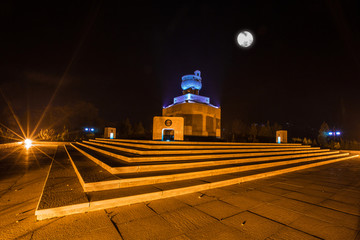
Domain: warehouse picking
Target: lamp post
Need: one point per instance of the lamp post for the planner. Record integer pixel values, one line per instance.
(334, 134)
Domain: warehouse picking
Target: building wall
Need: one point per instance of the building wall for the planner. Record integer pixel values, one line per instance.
(177, 123)
(283, 136)
(199, 119)
(109, 130)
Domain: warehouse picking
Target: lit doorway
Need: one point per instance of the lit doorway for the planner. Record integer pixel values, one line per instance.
(168, 134)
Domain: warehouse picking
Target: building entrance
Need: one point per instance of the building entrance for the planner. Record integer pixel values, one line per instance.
(168, 134)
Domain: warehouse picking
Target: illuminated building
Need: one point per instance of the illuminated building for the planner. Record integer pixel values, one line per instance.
(168, 128)
(201, 119)
(281, 136)
(110, 132)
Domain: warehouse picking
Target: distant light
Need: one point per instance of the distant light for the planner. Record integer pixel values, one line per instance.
(279, 140)
(245, 39)
(86, 129)
(330, 133)
(111, 135)
(92, 129)
(338, 133)
(27, 143)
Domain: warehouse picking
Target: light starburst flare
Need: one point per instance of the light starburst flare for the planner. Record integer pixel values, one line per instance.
(28, 143)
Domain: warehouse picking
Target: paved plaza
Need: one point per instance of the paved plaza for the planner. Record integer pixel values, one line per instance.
(316, 203)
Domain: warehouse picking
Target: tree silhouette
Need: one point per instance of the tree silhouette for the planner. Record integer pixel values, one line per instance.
(322, 137)
(139, 130)
(127, 129)
(253, 132)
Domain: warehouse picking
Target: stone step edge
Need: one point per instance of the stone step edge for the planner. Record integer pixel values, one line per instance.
(186, 152)
(46, 179)
(80, 178)
(123, 201)
(95, 160)
(193, 143)
(173, 166)
(141, 181)
(195, 157)
(184, 147)
(62, 211)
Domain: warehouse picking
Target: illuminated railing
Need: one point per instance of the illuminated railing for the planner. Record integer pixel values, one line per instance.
(191, 97)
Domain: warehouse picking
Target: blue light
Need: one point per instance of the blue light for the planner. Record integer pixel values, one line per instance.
(191, 81)
(191, 97)
(338, 133)
(86, 129)
(92, 129)
(330, 133)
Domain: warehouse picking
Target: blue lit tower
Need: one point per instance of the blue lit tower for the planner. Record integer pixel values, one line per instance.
(200, 117)
(191, 83)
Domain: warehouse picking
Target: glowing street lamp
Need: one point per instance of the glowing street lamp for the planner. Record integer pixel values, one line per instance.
(337, 133)
(334, 134)
(87, 129)
(27, 143)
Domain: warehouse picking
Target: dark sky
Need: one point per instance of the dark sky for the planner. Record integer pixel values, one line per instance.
(128, 59)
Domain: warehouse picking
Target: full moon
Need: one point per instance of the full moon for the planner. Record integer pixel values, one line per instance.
(245, 39)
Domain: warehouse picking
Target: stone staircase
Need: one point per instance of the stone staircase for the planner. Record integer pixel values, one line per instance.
(118, 172)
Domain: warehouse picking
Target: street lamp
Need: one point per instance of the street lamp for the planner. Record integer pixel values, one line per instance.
(334, 134)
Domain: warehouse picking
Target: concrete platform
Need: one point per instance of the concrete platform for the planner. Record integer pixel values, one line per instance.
(105, 190)
(317, 203)
(190, 145)
(189, 150)
(95, 178)
(62, 193)
(118, 166)
(131, 158)
(179, 143)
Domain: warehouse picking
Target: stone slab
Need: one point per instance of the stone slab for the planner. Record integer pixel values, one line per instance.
(218, 209)
(135, 158)
(194, 143)
(190, 145)
(153, 227)
(131, 195)
(323, 229)
(93, 225)
(128, 150)
(188, 219)
(218, 231)
(91, 176)
(61, 195)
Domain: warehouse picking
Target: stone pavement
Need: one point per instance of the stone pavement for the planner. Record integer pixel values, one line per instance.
(317, 203)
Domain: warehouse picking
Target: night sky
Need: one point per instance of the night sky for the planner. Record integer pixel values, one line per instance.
(127, 59)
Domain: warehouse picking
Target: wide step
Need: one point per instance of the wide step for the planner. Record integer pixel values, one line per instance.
(89, 201)
(103, 173)
(116, 166)
(141, 151)
(145, 146)
(90, 173)
(132, 158)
